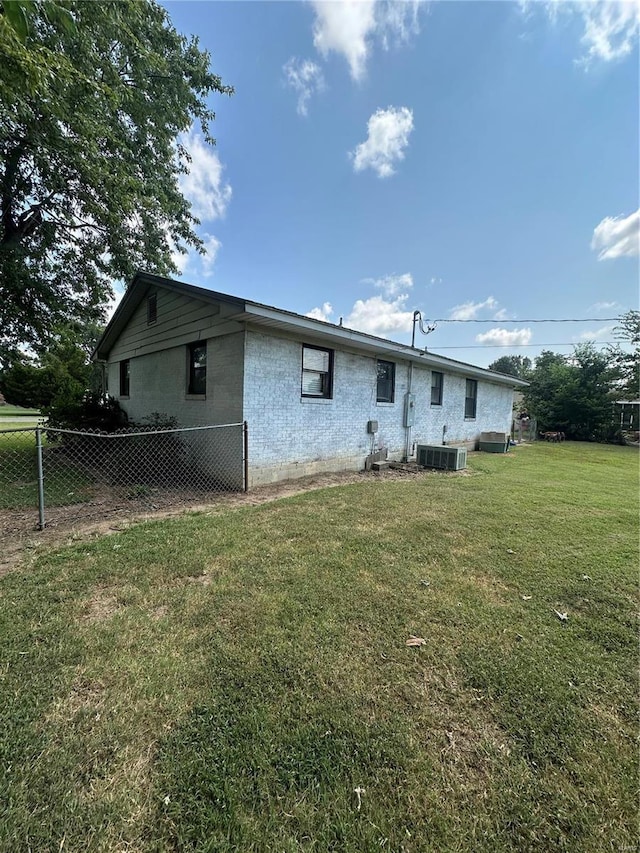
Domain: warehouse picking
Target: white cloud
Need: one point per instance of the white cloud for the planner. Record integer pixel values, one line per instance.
(601, 334)
(502, 314)
(180, 259)
(204, 186)
(211, 246)
(388, 136)
(505, 337)
(470, 310)
(617, 237)
(610, 27)
(119, 290)
(350, 27)
(392, 285)
(435, 280)
(379, 316)
(602, 306)
(323, 313)
(305, 77)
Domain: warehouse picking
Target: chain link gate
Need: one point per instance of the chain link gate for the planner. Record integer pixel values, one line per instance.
(71, 474)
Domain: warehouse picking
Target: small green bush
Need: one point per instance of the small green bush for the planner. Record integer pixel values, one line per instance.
(89, 411)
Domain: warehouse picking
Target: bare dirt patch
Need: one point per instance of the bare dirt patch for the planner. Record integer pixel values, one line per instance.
(101, 606)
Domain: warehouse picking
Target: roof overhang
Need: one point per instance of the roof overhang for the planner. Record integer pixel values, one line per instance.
(317, 330)
(255, 314)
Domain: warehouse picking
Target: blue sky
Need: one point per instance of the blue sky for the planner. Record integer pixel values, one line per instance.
(473, 160)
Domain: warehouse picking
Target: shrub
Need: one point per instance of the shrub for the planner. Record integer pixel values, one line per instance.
(89, 411)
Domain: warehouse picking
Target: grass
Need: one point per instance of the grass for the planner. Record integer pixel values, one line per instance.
(227, 680)
(10, 412)
(64, 483)
(16, 417)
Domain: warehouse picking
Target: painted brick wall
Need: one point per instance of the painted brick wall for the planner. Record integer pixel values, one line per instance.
(493, 410)
(293, 436)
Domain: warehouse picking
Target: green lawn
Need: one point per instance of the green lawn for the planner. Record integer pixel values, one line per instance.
(8, 411)
(64, 483)
(227, 680)
(15, 417)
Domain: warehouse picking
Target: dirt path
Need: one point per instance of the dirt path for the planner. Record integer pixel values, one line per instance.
(22, 542)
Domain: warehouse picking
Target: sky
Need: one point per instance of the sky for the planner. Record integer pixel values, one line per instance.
(475, 161)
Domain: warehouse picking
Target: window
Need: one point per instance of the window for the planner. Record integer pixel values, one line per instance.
(471, 398)
(124, 378)
(197, 368)
(436, 388)
(152, 308)
(317, 372)
(386, 381)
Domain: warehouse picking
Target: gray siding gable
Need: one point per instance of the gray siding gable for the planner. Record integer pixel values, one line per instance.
(180, 320)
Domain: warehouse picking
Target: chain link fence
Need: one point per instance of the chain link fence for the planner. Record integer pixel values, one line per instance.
(524, 429)
(49, 475)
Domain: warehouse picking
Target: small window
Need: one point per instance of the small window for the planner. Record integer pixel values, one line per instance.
(471, 398)
(436, 388)
(197, 368)
(317, 372)
(124, 378)
(386, 381)
(152, 308)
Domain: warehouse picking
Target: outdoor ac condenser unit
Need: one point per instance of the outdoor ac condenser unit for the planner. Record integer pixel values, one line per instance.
(441, 456)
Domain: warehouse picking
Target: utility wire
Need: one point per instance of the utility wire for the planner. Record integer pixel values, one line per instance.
(570, 320)
(509, 346)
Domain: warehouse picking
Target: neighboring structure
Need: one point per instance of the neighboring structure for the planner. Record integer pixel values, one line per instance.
(628, 413)
(317, 397)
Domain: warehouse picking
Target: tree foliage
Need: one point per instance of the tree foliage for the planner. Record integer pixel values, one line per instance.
(93, 99)
(574, 393)
(63, 372)
(628, 362)
(512, 365)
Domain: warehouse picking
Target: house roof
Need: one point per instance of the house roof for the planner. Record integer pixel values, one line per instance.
(257, 314)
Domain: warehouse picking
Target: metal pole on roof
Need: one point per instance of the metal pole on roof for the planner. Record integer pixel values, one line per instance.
(417, 318)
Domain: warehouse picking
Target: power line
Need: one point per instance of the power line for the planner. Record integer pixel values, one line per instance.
(569, 320)
(507, 346)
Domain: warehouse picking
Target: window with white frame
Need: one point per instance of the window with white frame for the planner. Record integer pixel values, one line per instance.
(317, 372)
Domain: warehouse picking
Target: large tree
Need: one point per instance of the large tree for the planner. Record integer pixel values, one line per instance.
(512, 365)
(574, 393)
(93, 99)
(628, 362)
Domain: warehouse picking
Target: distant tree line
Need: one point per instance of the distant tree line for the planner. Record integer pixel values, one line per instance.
(575, 393)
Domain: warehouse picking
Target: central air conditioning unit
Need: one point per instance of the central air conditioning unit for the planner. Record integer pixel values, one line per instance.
(441, 456)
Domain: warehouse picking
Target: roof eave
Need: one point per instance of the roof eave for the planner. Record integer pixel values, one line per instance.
(330, 332)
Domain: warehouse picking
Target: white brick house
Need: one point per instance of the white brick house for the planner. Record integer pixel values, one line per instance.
(306, 388)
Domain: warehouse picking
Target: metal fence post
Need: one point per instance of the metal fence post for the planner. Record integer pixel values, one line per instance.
(245, 453)
(40, 478)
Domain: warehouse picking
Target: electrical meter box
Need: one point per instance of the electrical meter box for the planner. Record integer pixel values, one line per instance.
(372, 427)
(409, 409)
